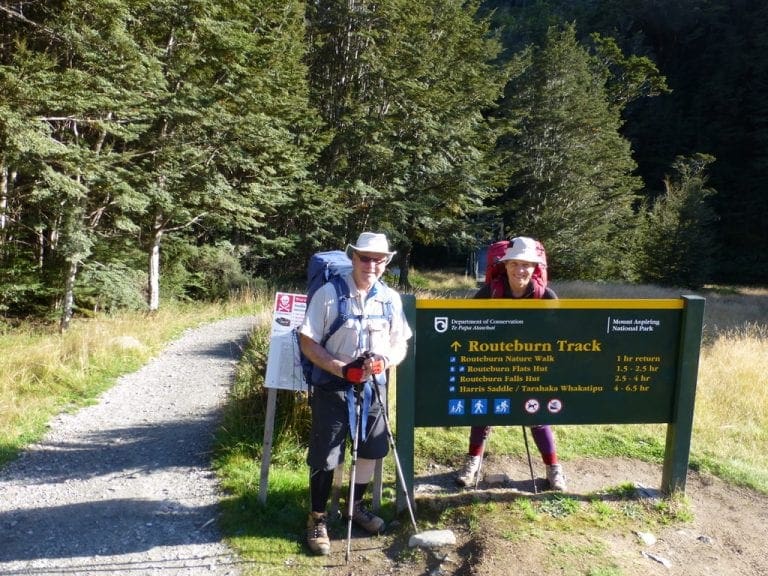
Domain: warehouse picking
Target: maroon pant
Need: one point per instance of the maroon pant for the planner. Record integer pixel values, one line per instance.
(542, 437)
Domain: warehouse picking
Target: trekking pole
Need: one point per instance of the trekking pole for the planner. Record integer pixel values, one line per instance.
(398, 468)
(530, 464)
(482, 458)
(353, 471)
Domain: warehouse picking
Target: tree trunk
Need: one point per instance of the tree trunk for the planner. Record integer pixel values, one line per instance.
(153, 297)
(405, 265)
(7, 179)
(3, 200)
(40, 248)
(69, 296)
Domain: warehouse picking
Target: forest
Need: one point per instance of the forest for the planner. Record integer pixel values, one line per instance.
(191, 149)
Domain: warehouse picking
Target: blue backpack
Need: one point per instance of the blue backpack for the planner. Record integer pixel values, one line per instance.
(331, 267)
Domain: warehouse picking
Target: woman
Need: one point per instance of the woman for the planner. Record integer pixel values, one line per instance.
(521, 261)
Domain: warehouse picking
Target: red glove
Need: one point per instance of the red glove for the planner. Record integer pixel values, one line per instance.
(377, 365)
(354, 371)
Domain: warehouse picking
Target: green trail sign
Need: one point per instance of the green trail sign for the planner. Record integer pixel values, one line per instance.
(561, 362)
(527, 362)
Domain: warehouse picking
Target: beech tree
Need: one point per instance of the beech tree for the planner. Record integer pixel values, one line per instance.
(82, 72)
(676, 240)
(574, 186)
(403, 87)
(226, 149)
(130, 121)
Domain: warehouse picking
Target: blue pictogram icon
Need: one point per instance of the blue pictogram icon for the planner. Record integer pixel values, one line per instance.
(480, 406)
(456, 407)
(501, 406)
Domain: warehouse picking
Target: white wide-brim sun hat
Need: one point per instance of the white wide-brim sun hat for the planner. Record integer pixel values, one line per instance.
(373, 244)
(523, 248)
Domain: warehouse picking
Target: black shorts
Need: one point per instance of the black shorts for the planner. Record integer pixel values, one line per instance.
(330, 429)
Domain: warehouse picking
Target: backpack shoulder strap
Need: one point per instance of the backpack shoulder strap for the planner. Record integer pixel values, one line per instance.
(387, 303)
(496, 286)
(342, 299)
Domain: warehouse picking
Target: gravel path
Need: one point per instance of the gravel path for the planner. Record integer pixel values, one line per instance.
(125, 486)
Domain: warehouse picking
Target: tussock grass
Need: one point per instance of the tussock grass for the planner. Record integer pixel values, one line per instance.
(727, 308)
(731, 415)
(442, 284)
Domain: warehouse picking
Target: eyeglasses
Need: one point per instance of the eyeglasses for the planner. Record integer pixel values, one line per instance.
(375, 260)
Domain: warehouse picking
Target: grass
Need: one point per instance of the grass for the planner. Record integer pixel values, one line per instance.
(43, 373)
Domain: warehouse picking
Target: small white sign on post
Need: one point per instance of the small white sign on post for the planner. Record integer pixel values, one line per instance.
(283, 368)
(283, 363)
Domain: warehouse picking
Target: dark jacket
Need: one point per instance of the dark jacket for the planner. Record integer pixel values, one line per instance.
(485, 292)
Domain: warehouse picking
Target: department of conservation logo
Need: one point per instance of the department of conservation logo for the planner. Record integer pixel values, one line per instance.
(441, 324)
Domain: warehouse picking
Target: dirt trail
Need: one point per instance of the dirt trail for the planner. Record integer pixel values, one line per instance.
(125, 486)
(727, 536)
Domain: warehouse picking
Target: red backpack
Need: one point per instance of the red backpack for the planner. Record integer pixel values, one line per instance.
(495, 272)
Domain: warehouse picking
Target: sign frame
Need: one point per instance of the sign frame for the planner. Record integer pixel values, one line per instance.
(684, 370)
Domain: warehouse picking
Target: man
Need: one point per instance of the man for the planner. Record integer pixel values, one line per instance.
(354, 360)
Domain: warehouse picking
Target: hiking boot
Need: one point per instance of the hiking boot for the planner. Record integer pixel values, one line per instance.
(556, 477)
(366, 519)
(317, 534)
(466, 476)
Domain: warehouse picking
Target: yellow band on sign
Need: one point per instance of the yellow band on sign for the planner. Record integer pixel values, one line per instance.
(569, 304)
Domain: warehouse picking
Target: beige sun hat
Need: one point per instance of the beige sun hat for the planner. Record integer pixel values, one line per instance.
(523, 248)
(372, 243)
